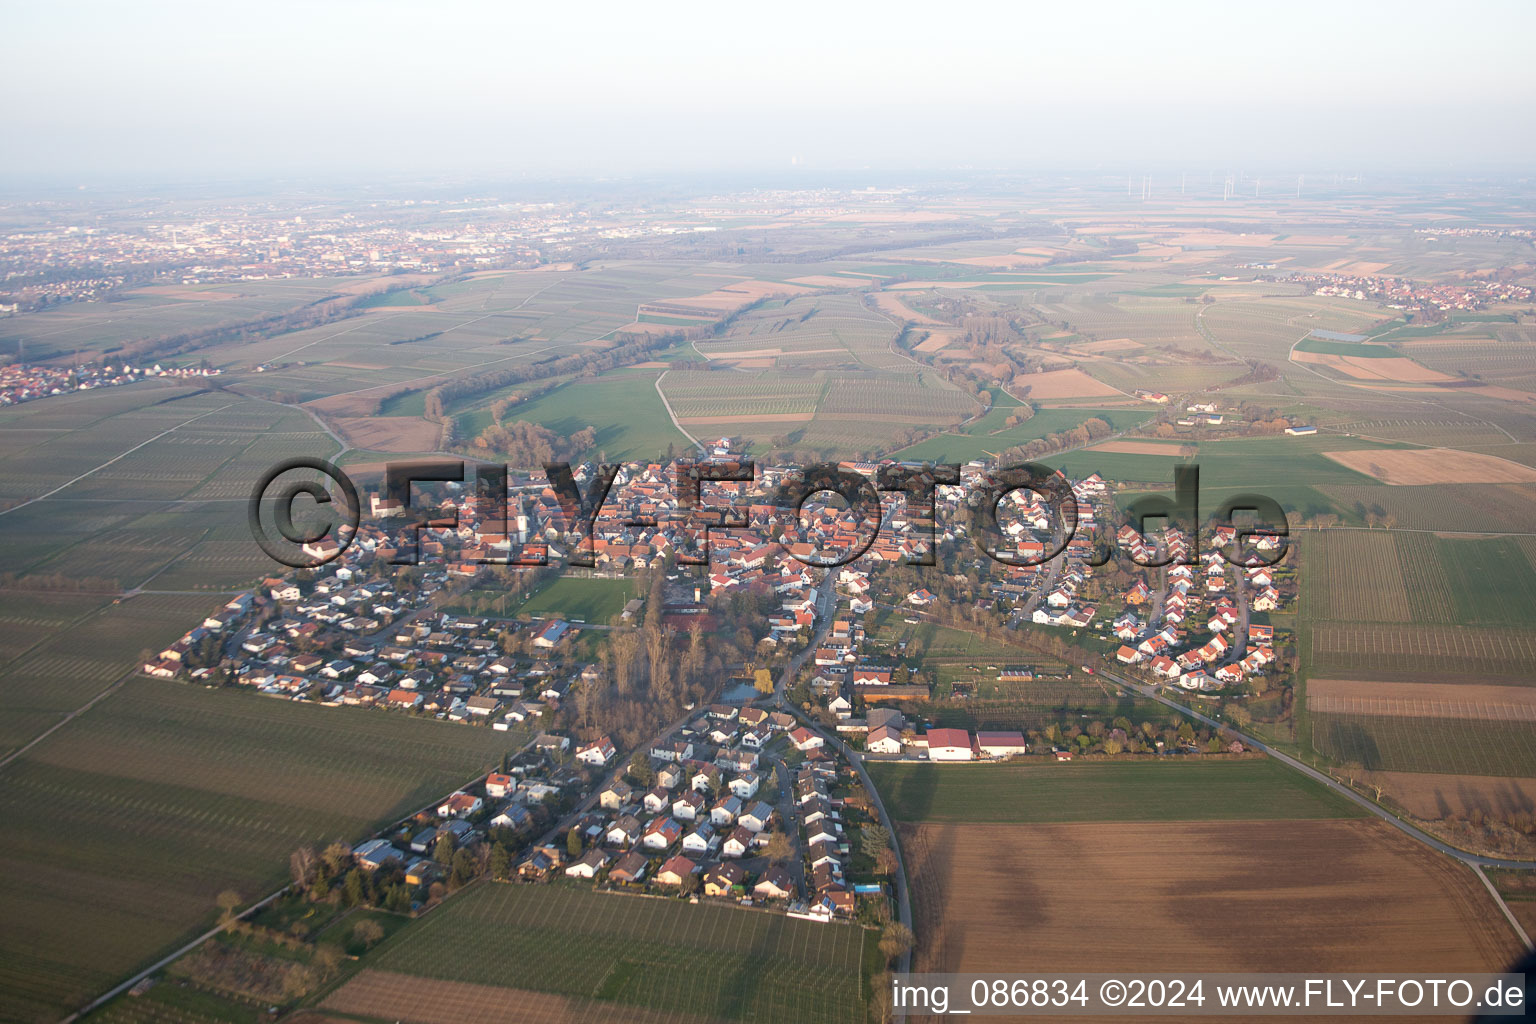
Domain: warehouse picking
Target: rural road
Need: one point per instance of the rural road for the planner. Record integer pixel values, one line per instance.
(1474, 861)
(672, 415)
(1327, 780)
(124, 986)
(826, 604)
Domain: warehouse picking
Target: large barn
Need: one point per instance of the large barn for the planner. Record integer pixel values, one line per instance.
(949, 745)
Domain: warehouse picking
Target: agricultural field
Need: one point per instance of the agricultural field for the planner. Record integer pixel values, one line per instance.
(1488, 508)
(621, 406)
(127, 822)
(1411, 466)
(1241, 895)
(1268, 465)
(989, 435)
(1417, 743)
(97, 328)
(1432, 796)
(1401, 651)
(704, 962)
(810, 332)
(1376, 576)
(1394, 605)
(1125, 791)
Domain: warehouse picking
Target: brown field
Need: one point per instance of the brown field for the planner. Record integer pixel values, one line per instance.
(1423, 700)
(731, 355)
(356, 403)
(893, 305)
(1109, 345)
(1342, 895)
(357, 366)
(1061, 384)
(636, 327)
(1224, 238)
(1495, 391)
(1137, 448)
(1390, 368)
(403, 997)
(389, 433)
(1326, 240)
(825, 281)
(725, 299)
(1434, 466)
(775, 417)
(923, 286)
(1018, 258)
(1430, 796)
(1444, 653)
(934, 342)
(185, 294)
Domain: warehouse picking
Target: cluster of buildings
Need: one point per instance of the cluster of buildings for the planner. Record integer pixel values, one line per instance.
(1415, 296)
(704, 818)
(1197, 632)
(20, 382)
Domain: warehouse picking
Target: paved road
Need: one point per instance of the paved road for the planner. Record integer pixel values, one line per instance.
(557, 832)
(673, 416)
(790, 819)
(1471, 859)
(825, 604)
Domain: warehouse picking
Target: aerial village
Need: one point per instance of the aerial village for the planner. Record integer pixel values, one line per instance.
(755, 794)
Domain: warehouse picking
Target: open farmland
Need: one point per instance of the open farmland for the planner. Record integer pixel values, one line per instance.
(410, 999)
(97, 328)
(1434, 466)
(623, 407)
(1190, 790)
(989, 435)
(1402, 651)
(1231, 896)
(1423, 700)
(1376, 576)
(659, 956)
(1416, 743)
(811, 331)
(1488, 508)
(1433, 796)
(127, 822)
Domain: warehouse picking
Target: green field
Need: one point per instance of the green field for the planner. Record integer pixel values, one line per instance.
(585, 599)
(126, 823)
(1362, 349)
(990, 436)
(1453, 746)
(1183, 790)
(623, 407)
(1492, 581)
(1268, 465)
(707, 961)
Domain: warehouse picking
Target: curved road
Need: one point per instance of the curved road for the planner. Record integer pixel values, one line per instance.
(1471, 859)
(826, 604)
(1476, 862)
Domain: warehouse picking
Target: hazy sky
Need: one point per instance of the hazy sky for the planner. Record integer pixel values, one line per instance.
(96, 90)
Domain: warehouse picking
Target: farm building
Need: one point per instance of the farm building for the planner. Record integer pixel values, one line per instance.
(949, 745)
(1000, 744)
